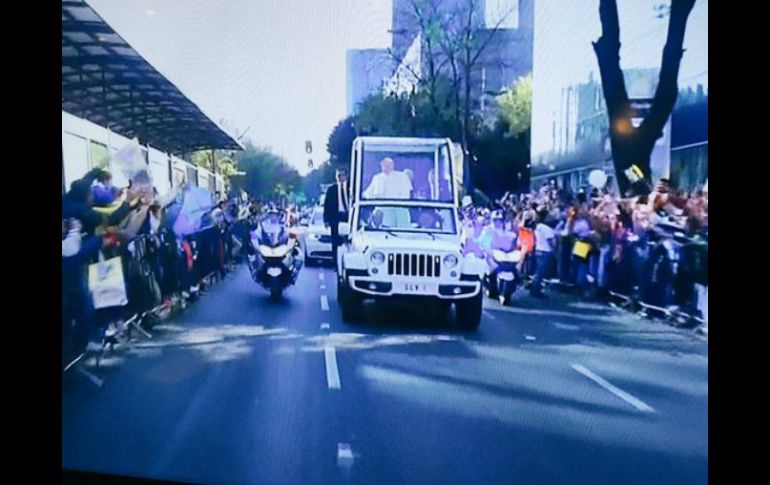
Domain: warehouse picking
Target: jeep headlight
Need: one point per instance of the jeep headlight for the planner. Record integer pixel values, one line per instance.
(450, 261)
(377, 258)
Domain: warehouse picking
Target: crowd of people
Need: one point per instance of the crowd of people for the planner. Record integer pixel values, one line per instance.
(652, 249)
(162, 249)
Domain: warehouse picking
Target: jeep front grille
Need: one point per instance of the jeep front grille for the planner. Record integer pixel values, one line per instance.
(410, 264)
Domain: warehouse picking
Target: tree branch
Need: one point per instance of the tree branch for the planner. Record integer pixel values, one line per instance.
(489, 38)
(667, 90)
(607, 49)
(402, 63)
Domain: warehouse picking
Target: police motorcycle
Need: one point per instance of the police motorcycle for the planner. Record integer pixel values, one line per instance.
(502, 259)
(275, 259)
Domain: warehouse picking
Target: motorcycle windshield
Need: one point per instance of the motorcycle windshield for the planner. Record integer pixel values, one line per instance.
(273, 235)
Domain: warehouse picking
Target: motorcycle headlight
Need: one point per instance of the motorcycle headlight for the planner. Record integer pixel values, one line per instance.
(265, 251)
(450, 260)
(377, 258)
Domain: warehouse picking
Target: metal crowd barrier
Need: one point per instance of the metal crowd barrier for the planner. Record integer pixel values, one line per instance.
(206, 268)
(648, 295)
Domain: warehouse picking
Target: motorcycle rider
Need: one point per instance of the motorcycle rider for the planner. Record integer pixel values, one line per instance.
(496, 236)
(493, 237)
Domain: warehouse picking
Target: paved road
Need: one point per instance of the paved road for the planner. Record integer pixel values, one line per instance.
(239, 390)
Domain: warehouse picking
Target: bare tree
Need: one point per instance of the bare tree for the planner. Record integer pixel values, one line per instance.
(465, 40)
(633, 145)
(453, 40)
(428, 20)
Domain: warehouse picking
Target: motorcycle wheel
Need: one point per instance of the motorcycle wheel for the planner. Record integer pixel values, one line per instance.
(505, 293)
(275, 289)
(493, 290)
(468, 312)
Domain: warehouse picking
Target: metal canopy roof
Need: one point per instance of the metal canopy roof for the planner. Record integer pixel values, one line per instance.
(104, 80)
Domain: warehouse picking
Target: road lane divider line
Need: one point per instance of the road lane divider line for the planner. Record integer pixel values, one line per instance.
(325, 326)
(531, 338)
(321, 276)
(344, 455)
(635, 402)
(489, 315)
(323, 287)
(324, 303)
(332, 373)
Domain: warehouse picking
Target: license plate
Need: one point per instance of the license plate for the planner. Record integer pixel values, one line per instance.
(417, 288)
(274, 271)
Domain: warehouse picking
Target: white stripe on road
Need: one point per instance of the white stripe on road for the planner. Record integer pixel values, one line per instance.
(637, 403)
(344, 455)
(323, 287)
(325, 326)
(332, 374)
(489, 315)
(530, 338)
(324, 303)
(321, 276)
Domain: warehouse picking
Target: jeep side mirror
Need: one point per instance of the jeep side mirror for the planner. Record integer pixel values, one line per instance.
(344, 229)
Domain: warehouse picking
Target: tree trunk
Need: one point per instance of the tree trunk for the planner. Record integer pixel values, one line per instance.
(633, 146)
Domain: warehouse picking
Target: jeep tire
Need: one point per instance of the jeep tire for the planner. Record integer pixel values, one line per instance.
(351, 304)
(469, 312)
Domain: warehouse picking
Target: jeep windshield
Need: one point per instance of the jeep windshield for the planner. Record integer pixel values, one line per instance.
(420, 172)
(389, 218)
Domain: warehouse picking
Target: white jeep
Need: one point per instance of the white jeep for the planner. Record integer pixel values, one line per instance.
(403, 237)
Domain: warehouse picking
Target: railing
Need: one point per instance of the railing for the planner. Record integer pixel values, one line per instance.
(662, 278)
(161, 272)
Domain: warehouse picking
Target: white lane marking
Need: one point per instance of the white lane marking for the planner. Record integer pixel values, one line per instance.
(637, 403)
(321, 276)
(325, 326)
(332, 374)
(323, 287)
(530, 338)
(489, 315)
(98, 382)
(324, 303)
(344, 455)
(566, 326)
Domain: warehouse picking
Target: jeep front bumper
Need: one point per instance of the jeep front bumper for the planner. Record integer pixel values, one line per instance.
(446, 290)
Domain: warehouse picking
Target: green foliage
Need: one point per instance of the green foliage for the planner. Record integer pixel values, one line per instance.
(515, 105)
(341, 142)
(502, 160)
(265, 174)
(311, 183)
(408, 115)
(225, 164)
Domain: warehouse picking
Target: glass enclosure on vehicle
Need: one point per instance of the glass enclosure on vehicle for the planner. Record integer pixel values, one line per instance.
(272, 230)
(390, 217)
(404, 169)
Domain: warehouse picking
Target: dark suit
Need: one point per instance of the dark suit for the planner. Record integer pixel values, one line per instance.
(333, 215)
